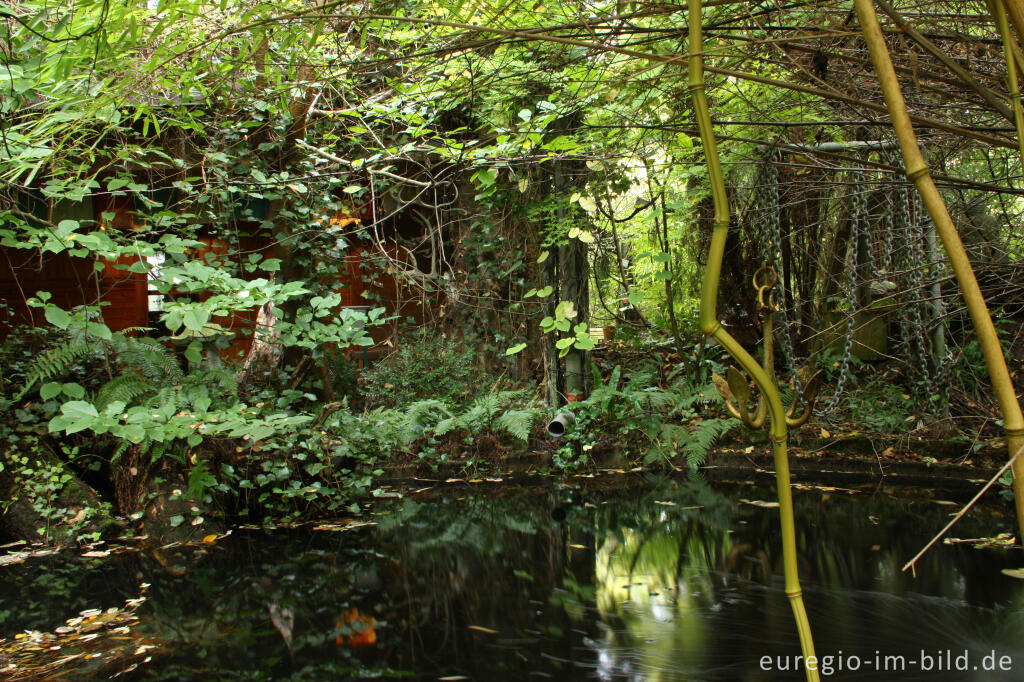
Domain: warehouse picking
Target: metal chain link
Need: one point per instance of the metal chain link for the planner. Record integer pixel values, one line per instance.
(858, 221)
(768, 200)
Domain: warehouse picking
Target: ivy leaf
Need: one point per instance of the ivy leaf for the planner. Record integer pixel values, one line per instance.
(584, 343)
(586, 237)
(588, 204)
(543, 257)
(635, 297)
(515, 349)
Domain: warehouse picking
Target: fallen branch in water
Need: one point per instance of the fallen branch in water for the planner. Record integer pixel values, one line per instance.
(960, 514)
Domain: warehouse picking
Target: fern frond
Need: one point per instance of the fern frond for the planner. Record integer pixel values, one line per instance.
(122, 388)
(55, 361)
(516, 423)
(702, 437)
(151, 358)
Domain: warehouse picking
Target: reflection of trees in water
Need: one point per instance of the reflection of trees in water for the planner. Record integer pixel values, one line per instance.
(484, 562)
(634, 578)
(690, 592)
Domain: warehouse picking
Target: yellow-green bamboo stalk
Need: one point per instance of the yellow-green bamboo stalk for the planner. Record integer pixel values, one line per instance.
(999, 13)
(710, 325)
(917, 172)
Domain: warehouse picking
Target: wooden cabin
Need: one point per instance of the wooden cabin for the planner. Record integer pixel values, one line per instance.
(364, 276)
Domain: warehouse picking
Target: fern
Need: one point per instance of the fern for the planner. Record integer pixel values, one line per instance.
(423, 413)
(488, 412)
(123, 388)
(516, 423)
(55, 361)
(152, 359)
(702, 437)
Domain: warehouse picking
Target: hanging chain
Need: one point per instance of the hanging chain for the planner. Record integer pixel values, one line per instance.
(859, 224)
(768, 200)
(916, 261)
(887, 241)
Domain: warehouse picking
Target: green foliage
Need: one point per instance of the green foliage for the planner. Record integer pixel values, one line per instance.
(661, 422)
(424, 366)
(55, 361)
(492, 412)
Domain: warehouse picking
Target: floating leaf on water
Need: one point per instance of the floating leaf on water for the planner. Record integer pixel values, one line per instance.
(761, 503)
(210, 539)
(284, 620)
(578, 546)
(480, 628)
(1014, 573)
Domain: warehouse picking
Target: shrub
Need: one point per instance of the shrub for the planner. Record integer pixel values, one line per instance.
(423, 367)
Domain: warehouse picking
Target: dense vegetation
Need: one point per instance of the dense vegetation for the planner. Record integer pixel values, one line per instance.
(521, 174)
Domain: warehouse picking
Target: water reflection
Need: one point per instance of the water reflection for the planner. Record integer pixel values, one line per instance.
(637, 580)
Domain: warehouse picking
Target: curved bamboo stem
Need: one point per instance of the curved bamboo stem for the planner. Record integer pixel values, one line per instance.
(917, 172)
(710, 325)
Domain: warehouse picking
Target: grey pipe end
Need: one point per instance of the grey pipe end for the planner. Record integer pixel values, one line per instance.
(560, 424)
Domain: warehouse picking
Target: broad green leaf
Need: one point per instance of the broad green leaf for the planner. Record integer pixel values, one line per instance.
(50, 390)
(73, 390)
(195, 319)
(515, 349)
(586, 237)
(58, 317)
(78, 415)
(194, 352)
(133, 433)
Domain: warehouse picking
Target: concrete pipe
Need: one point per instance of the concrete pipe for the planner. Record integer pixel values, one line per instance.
(562, 422)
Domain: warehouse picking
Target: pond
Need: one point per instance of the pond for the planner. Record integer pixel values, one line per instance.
(614, 578)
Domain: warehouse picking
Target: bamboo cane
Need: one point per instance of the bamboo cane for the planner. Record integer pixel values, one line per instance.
(999, 13)
(710, 325)
(917, 172)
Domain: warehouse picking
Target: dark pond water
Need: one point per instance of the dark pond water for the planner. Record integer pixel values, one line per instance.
(623, 580)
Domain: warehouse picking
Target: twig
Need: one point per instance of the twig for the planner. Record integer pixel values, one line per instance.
(959, 515)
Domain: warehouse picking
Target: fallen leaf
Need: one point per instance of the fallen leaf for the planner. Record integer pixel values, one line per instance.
(480, 628)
